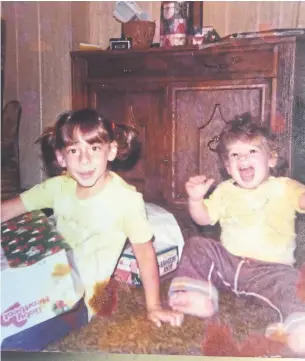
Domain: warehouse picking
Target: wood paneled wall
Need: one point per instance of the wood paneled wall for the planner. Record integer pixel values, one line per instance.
(40, 36)
(238, 16)
(37, 72)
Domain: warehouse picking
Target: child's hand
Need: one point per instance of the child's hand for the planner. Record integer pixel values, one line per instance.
(160, 315)
(198, 186)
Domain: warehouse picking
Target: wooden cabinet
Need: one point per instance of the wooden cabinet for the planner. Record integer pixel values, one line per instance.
(179, 99)
(143, 106)
(200, 112)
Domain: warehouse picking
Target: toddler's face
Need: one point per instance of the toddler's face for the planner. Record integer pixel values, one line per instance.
(249, 163)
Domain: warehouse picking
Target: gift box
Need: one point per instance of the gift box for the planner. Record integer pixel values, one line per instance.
(127, 269)
(29, 238)
(38, 337)
(38, 282)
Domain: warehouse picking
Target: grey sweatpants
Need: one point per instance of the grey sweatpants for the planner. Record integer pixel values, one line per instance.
(206, 267)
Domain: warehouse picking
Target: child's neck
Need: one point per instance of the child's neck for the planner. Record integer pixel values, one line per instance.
(88, 192)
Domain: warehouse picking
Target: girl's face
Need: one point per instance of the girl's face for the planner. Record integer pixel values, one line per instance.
(249, 163)
(87, 163)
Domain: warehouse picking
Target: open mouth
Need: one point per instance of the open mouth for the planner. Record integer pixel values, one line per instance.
(246, 173)
(86, 175)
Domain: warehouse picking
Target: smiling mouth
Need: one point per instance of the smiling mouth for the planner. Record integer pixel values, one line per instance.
(86, 175)
(246, 173)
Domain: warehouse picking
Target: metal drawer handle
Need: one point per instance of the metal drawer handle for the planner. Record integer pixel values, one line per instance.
(215, 141)
(234, 60)
(128, 70)
(119, 67)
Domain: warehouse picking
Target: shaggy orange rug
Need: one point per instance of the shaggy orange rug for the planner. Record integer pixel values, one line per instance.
(122, 327)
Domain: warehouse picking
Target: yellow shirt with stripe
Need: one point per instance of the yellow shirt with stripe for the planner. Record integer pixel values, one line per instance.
(258, 223)
(100, 223)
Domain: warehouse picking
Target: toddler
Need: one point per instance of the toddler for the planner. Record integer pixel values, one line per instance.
(255, 255)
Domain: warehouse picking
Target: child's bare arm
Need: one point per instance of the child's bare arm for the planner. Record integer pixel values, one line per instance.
(12, 208)
(199, 212)
(146, 257)
(196, 188)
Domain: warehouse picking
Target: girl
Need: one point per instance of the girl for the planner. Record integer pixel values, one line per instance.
(95, 209)
(255, 257)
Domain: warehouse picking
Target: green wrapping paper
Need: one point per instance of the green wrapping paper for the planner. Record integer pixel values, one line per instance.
(29, 238)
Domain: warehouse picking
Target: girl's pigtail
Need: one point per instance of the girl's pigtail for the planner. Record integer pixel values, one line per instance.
(127, 139)
(47, 147)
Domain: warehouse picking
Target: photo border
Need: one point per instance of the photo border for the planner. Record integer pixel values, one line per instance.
(96, 356)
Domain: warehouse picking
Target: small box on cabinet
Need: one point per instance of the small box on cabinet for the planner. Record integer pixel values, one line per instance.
(120, 43)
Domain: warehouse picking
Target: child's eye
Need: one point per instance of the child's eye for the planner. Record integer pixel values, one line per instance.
(233, 155)
(253, 151)
(71, 151)
(96, 148)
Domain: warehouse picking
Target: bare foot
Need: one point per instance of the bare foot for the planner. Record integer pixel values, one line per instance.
(296, 340)
(192, 303)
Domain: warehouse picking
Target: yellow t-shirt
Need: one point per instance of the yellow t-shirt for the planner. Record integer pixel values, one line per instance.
(101, 223)
(258, 223)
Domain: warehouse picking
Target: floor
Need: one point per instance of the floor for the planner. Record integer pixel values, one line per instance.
(237, 330)
(128, 331)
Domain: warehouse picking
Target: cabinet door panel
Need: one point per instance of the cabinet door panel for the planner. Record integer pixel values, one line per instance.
(108, 101)
(200, 113)
(142, 108)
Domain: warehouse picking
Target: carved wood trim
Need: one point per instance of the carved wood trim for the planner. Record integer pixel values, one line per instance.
(262, 85)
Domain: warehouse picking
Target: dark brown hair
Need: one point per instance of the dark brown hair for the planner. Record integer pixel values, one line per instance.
(94, 128)
(245, 128)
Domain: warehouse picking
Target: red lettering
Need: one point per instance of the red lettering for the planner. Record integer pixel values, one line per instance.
(11, 316)
(44, 300)
(30, 305)
(18, 315)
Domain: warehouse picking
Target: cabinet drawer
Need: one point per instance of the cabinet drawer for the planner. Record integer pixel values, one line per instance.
(249, 63)
(205, 64)
(131, 65)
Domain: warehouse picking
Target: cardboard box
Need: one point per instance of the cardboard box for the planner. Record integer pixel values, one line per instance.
(37, 280)
(34, 294)
(38, 337)
(127, 269)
